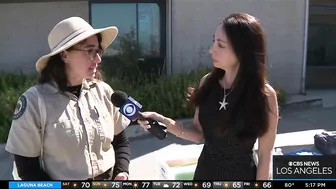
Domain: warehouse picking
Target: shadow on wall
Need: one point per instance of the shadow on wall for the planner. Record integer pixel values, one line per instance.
(199, 58)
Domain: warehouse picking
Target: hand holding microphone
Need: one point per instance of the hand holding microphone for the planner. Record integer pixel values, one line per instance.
(149, 115)
(130, 108)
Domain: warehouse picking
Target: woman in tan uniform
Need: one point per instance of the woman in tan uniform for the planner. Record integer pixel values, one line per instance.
(65, 127)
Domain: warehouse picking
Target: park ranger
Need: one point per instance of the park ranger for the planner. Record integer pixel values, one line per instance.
(65, 127)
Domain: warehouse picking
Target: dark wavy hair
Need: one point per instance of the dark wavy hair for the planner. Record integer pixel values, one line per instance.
(55, 70)
(249, 94)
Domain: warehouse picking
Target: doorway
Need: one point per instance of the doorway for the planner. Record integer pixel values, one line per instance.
(321, 45)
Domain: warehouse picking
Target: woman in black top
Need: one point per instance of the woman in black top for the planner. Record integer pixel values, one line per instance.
(234, 104)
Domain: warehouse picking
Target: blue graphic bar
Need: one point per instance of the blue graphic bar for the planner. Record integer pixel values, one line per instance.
(35, 185)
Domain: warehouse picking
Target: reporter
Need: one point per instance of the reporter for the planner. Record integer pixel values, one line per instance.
(234, 106)
(65, 127)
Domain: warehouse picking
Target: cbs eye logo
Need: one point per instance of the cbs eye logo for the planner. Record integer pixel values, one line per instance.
(129, 109)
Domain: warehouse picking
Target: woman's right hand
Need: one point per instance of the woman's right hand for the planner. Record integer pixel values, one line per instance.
(152, 115)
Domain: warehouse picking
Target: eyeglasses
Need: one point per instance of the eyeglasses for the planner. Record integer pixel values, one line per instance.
(92, 53)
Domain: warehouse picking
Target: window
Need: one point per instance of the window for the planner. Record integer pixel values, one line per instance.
(322, 36)
(140, 23)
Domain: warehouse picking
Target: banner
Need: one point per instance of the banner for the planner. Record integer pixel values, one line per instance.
(304, 167)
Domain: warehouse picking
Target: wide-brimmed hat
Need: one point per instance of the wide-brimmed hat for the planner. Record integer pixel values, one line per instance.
(71, 31)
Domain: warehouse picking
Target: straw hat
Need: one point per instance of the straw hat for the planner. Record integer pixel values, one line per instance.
(71, 31)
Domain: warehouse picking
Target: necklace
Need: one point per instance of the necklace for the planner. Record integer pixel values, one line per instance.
(223, 103)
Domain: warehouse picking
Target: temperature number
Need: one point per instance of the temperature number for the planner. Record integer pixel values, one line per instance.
(267, 185)
(206, 185)
(145, 184)
(289, 184)
(115, 185)
(86, 184)
(237, 185)
(176, 185)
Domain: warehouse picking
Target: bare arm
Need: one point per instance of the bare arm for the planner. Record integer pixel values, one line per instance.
(266, 142)
(190, 131)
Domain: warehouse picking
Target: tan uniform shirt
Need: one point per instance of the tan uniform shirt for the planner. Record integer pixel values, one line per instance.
(78, 131)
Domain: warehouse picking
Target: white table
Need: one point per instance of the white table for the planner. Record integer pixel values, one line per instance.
(293, 141)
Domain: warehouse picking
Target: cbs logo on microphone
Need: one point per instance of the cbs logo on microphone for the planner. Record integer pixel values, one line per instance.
(130, 110)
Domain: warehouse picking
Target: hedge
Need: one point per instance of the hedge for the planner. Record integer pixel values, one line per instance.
(167, 94)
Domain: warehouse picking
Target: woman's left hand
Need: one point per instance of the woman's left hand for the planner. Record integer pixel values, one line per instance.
(121, 176)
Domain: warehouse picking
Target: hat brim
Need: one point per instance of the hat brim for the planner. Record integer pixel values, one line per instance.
(108, 36)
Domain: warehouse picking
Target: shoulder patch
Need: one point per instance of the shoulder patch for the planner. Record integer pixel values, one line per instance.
(20, 107)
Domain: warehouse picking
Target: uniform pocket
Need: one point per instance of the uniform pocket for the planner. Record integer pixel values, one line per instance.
(64, 135)
(67, 130)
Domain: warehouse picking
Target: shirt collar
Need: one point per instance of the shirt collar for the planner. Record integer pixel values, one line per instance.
(52, 88)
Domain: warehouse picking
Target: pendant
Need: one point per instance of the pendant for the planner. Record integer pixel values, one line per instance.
(223, 103)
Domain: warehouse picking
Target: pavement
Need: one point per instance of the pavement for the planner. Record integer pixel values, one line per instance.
(295, 130)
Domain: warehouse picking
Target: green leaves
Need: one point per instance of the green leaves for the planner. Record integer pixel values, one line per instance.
(164, 94)
(11, 87)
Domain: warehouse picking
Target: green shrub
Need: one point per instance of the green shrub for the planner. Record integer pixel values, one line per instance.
(165, 95)
(11, 87)
(282, 96)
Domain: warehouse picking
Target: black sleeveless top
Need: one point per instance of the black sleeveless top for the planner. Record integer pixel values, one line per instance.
(224, 155)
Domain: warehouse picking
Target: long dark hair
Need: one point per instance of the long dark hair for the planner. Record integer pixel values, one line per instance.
(55, 70)
(247, 38)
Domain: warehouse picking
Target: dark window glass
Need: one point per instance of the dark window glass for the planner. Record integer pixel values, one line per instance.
(322, 36)
(138, 20)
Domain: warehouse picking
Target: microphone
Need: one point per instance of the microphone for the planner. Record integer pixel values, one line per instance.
(130, 108)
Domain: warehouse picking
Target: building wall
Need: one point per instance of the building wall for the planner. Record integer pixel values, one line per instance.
(25, 27)
(194, 23)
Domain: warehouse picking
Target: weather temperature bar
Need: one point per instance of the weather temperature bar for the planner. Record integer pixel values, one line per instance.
(241, 184)
(237, 184)
(173, 184)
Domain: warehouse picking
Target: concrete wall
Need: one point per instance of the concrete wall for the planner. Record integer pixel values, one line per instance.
(25, 28)
(194, 23)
